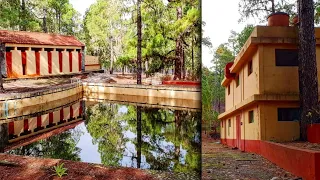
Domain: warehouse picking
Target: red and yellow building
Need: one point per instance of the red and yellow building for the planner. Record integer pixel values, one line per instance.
(262, 89)
(31, 54)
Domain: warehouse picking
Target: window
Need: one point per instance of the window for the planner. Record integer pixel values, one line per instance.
(251, 117)
(288, 114)
(229, 125)
(249, 67)
(286, 57)
(229, 89)
(237, 80)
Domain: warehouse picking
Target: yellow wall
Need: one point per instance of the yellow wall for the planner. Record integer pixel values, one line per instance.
(76, 108)
(251, 83)
(222, 129)
(230, 131)
(91, 60)
(238, 90)
(272, 129)
(16, 63)
(31, 63)
(277, 79)
(65, 62)
(45, 120)
(75, 62)
(55, 62)
(250, 131)
(88, 68)
(229, 98)
(44, 70)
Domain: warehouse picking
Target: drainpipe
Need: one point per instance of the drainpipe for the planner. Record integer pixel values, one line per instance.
(83, 59)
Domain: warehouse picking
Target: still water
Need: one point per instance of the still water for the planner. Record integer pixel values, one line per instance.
(123, 135)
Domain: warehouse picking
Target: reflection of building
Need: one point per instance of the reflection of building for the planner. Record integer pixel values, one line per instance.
(261, 90)
(29, 54)
(20, 129)
(92, 63)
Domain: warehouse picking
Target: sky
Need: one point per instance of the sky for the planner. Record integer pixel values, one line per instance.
(81, 5)
(220, 16)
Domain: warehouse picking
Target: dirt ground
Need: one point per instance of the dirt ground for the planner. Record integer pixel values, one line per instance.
(221, 162)
(17, 167)
(304, 145)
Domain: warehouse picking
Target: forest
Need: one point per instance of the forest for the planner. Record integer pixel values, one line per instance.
(170, 31)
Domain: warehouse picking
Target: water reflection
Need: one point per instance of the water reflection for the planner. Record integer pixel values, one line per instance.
(122, 135)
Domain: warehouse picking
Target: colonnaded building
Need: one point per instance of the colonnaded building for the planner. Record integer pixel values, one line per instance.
(32, 54)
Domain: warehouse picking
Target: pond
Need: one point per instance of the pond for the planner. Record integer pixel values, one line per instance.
(116, 134)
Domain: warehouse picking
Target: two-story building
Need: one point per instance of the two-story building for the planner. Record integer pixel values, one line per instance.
(262, 89)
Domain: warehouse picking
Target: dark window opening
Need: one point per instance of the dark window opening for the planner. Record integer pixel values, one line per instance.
(286, 57)
(229, 89)
(8, 49)
(78, 50)
(59, 49)
(249, 67)
(288, 114)
(48, 49)
(251, 117)
(22, 49)
(70, 50)
(36, 49)
(237, 80)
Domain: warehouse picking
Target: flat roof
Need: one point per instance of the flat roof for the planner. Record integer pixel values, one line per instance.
(38, 38)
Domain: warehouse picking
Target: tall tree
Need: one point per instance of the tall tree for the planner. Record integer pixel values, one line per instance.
(139, 29)
(308, 79)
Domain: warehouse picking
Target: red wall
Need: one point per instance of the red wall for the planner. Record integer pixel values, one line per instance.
(301, 162)
(314, 133)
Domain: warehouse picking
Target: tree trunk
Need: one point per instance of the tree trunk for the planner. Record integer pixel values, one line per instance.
(59, 21)
(111, 56)
(273, 6)
(308, 79)
(23, 16)
(179, 51)
(183, 65)
(2, 59)
(139, 137)
(139, 29)
(44, 21)
(192, 61)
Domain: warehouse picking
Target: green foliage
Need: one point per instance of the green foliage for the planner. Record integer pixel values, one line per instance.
(237, 40)
(260, 9)
(62, 146)
(106, 130)
(60, 170)
(176, 129)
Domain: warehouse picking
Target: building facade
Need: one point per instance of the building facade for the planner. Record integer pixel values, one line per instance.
(262, 89)
(32, 54)
(92, 63)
